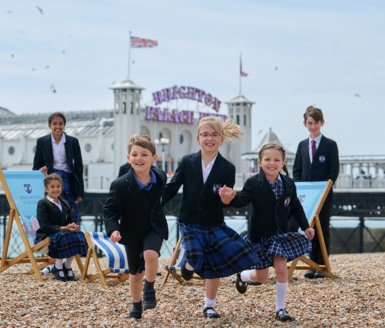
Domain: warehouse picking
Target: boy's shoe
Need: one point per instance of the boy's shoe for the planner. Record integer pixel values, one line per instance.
(240, 285)
(318, 275)
(210, 313)
(136, 311)
(186, 274)
(282, 315)
(309, 274)
(149, 299)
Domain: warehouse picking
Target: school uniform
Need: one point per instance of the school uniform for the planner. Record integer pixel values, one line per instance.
(135, 211)
(73, 185)
(324, 166)
(63, 243)
(268, 230)
(212, 249)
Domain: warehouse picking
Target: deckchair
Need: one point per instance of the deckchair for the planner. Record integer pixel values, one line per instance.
(23, 189)
(174, 268)
(312, 196)
(116, 258)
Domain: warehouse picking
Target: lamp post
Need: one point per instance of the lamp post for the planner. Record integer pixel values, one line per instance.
(163, 142)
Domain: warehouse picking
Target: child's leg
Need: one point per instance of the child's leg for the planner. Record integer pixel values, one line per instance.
(151, 263)
(255, 275)
(281, 285)
(58, 270)
(135, 282)
(211, 289)
(68, 268)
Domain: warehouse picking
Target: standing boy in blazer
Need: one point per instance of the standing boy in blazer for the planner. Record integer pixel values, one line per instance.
(317, 160)
(134, 216)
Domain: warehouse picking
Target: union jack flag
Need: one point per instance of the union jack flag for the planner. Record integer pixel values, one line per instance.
(143, 43)
(241, 72)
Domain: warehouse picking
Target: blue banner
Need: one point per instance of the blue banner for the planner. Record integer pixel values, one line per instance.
(27, 188)
(309, 194)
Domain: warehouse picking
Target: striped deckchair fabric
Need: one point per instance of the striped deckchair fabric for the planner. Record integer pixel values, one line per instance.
(115, 254)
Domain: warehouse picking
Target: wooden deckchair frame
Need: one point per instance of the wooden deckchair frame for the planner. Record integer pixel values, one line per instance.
(102, 274)
(315, 222)
(27, 256)
(171, 270)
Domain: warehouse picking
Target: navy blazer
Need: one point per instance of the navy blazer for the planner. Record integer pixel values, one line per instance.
(270, 215)
(44, 157)
(51, 218)
(325, 164)
(200, 202)
(126, 209)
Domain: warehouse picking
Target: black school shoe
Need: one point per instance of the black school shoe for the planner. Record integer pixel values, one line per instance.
(56, 272)
(211, 314)
(309, 274)
(240, 285)
(70, 277)
(282, 315)
(136, 311)
(318, 275)
(186, 274)
(149, 299)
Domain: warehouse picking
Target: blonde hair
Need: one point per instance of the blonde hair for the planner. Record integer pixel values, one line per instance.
(227, 129)
(51, 177)
(143, 141)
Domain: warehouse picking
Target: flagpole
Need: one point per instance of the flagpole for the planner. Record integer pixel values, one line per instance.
(129, 57)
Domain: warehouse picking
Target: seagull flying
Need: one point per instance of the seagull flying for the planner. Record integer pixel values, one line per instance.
(40, 10)
(53, 89)
(357, 95)
(275, 68)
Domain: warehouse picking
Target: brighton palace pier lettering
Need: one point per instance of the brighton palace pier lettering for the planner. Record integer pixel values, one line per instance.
(156, 113)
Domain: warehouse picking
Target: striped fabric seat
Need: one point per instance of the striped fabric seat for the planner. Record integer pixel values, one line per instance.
(114, 252)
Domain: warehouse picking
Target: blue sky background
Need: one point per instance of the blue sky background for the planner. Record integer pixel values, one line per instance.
(328, 53)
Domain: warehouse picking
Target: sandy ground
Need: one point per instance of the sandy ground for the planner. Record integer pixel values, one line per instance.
(355, 299)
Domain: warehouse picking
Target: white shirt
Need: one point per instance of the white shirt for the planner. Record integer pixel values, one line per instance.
(317, 141)
(59, 154)
(206, 170)
(58, 204)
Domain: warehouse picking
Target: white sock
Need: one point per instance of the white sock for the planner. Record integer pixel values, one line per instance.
(46, 270)
(281, 289)
(68, 262)
(210, 303)
(59, 264)
(246, 275)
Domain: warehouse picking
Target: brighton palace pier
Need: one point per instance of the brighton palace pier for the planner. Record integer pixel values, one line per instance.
(170, 118)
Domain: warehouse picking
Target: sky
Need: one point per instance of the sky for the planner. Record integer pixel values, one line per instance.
(63, 55)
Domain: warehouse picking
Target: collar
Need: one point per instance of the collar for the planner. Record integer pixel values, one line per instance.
(317, 140)
(62, 140)
(149, 185)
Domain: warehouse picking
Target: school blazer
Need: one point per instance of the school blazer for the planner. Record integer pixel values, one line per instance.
(200, 202)
(269, 215)
(126, 208)
(50, 217)
(325, 164)
(44, 157)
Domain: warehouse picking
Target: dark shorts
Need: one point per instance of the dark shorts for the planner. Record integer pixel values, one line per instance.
(136, 246)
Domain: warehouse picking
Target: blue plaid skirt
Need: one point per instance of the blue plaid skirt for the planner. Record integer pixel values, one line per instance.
(65, 244)
(289, 245)
(68, 193)
(216, 251)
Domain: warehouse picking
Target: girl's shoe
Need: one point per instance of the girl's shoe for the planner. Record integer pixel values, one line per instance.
(240, 285)
(59, 274)
(69, 274)
(186, 274)
(282, 315)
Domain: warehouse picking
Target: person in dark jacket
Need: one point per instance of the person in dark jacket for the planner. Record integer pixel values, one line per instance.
(317, 159)
(57, 222)
(213, 250)
(133, 215)
(274, 200)
(60, 153)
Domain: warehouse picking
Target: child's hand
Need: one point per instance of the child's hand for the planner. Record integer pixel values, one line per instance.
(72, 227)
(78, 200)
(115, 236)
(227, 194)
(309, 233)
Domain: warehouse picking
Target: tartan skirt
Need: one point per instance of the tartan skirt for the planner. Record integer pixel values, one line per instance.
(289, 245)
(216, 251)
(68, 193)
(66, 244)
